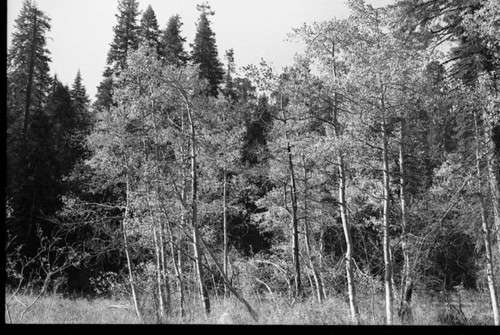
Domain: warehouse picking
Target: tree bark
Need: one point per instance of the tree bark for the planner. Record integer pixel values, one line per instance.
(164, 271)
(194, 218)
(317, 279)
(386, 238)
(351, 286)
(224, 214)
(405, 308)
(295, 224)
(490, 271)
(159, 284)
(130, 264)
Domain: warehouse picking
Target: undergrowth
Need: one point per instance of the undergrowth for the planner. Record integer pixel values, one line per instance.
(54, 309)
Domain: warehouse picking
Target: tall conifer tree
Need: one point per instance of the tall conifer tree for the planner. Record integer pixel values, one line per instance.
(28, 81)
(126, 39)
(27, 64)
(149, 32)
(173, 44)
(205, 51)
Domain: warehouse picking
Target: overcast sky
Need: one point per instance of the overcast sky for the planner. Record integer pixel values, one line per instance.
(83, 29)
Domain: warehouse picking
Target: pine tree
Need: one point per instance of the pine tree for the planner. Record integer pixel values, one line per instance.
(27, 85)
(126, 39)
(173, 44)
(126, 34)
(205, 52)
(148, 31)
(79, 95)
(27, 64)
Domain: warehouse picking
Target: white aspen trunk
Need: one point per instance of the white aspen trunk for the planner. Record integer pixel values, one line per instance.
(406, 282)
(178, 274)
(317, 279)
(386, 238)
(164, 270)
(490, 271)
(351, 286)
(347, 234)
(159, 285)
(194, 218)
(130, 265)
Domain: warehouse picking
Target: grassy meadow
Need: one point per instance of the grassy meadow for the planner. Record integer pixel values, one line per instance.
(55, 309)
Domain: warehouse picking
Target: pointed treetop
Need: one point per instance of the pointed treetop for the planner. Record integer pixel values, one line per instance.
(204, 52)
(173, 44)
(126, 36)
(78, 92)
(149, 31)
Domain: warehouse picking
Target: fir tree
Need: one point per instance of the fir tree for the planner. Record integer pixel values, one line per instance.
(205, 52)
(148, 31)
(79, 94)
(173, 44)
(80, 103)
(126, 34)
(27, 64)
(27, 85)
(126, 39)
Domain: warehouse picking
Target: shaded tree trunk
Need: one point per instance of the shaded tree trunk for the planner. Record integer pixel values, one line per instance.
(493, 162)
(295, 224)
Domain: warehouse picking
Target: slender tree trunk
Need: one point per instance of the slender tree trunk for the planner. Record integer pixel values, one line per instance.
(224, 214)
(386, 238)
(159, 285)
(164, 270)
(351, 286)
(317, 279)
(295, 222)
(194, 219)
(405, 311)
(490, 271)
(177, 270)
(130, 264)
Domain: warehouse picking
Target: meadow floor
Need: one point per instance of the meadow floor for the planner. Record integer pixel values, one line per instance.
(54, 309)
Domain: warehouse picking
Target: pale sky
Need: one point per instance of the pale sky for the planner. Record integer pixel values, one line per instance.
(83, 29)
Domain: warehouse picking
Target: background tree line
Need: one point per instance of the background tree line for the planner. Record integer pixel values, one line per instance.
(370, 164)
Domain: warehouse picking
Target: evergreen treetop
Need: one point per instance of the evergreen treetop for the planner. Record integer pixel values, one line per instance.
(205, 52)
(172, 43)
(148, 31)
(126, 36)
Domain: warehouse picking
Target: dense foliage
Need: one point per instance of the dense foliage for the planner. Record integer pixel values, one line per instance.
(373, 151)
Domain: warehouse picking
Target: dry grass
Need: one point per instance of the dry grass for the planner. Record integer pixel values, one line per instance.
(54, 309)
